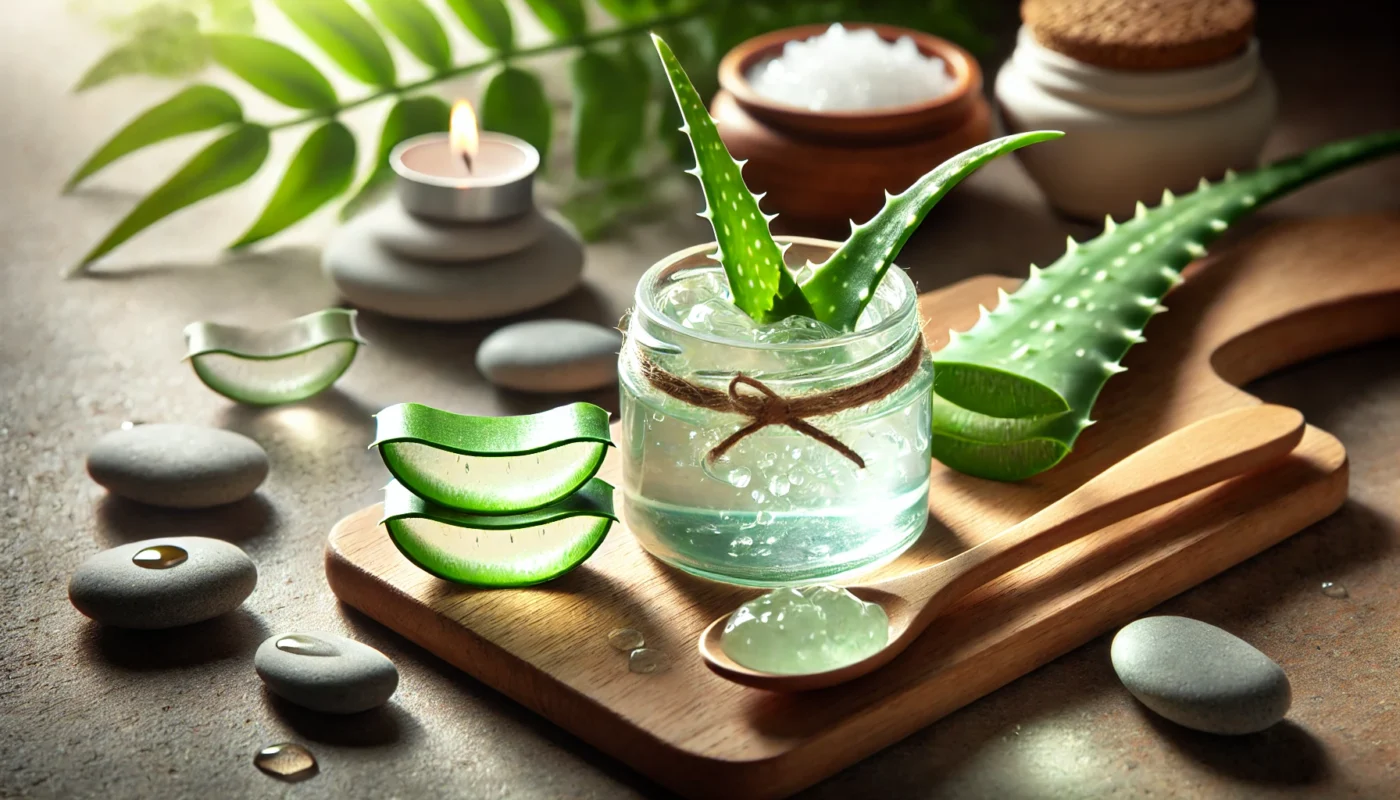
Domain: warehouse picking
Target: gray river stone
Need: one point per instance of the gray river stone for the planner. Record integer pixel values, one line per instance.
(1200, 676)
(214, 578)
(550, 355)
(178, 466)
(325, 672)
(373, 277)
(393, 227)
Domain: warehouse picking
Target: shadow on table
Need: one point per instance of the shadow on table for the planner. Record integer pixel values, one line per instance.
(120, 520)
(403, 651)
(234, 635)
(1283, 755)
(388, 724)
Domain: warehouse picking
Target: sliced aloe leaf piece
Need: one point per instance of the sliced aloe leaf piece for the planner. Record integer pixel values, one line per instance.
(494, 550)
(269, 366)
(492, 465)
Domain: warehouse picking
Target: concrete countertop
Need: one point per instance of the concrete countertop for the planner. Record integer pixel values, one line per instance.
(92, 712)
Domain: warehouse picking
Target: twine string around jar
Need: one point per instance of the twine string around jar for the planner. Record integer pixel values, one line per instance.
(767, 407)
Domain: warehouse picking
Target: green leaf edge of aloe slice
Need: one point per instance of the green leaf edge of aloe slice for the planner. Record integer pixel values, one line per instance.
(314, 331)
(491, 437)
(593, 499)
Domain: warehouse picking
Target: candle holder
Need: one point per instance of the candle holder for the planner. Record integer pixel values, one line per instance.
(456, 243)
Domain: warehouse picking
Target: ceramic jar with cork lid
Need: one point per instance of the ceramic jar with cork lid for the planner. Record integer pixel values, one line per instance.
(1151, 94)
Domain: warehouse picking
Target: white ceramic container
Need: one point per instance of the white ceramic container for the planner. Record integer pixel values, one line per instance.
(1131, 134)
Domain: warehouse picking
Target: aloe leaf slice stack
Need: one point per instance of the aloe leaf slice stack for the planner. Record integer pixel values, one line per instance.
(270, 366)
(1013, 393)
(499, 551)
(492, 465)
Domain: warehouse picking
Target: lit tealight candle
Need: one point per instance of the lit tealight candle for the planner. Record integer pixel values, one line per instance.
(465, 175)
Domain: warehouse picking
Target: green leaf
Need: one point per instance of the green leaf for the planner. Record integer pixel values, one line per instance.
(609, 115)
(488, 21)
(563, 18)
(515, 103)
(632, 11)
(411, 116)
(196, 108)
(274, 70)
(841, 288)
(164, 42)
(752, 261)
(345, 36)
(321, 170)
(414, 25)
(222, 165)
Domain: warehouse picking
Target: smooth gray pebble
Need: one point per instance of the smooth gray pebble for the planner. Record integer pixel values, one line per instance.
(1200, 676)
(550, 355)
(178, 466)
(214, 578)
(325, 672)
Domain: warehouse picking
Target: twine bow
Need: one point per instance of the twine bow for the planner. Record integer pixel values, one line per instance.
(770, 408)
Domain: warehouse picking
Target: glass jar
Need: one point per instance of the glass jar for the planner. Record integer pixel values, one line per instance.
(780, 507)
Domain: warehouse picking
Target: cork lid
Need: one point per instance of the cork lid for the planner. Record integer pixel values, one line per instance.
(1142, 34)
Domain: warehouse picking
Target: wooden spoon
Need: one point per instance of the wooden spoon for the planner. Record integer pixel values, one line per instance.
(1180, 463)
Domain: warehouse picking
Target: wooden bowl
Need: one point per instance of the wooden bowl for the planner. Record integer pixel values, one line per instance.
(822, 169)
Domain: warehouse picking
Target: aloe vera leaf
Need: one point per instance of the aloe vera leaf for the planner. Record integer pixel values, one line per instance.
(499, 551)
(752, 260)
(281, 364)
(1014, 391)
(492, 465)
(844, 284)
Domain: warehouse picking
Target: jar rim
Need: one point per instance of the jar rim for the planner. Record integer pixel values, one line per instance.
(700, 256)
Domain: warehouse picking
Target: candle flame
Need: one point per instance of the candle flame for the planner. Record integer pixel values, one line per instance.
(464, 133)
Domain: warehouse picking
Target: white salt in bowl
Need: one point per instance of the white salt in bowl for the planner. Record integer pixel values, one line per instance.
(822, 169)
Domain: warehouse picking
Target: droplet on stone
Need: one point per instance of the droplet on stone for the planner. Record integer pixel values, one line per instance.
(303, 645)
(647, 661)
(626, 639)
(162, 556)
(1336, 590)
(286, 761)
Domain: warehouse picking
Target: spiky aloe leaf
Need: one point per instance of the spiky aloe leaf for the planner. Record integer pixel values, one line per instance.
(752, 260)
(844, 284)
(1013, 393)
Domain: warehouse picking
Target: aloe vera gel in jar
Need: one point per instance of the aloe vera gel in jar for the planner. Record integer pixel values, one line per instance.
(812, 464)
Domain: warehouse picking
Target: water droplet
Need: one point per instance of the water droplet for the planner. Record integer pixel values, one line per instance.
(740, 477)
(303, 645)
(1334, 589)
(162, 556)
(646, 661)
(779, 485)
(287, 761)
(626, 639)
(1073, 302)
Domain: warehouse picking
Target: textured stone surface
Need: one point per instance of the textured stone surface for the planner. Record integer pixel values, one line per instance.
(1200, 676)
(551, 355)
(214, 578)
(421, 239)
(178, 466)
(374, 278)
(90, 711)
(325, 672)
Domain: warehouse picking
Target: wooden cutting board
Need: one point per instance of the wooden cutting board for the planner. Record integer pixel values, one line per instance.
(1294, 292)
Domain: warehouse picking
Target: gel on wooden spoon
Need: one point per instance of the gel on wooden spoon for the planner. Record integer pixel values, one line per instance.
(1185, 461)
